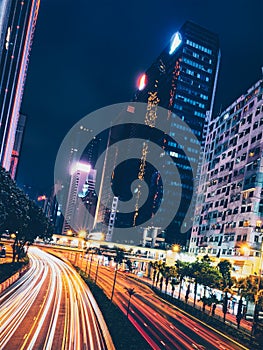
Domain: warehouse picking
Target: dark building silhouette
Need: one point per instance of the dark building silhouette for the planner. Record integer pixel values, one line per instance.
(183, 81)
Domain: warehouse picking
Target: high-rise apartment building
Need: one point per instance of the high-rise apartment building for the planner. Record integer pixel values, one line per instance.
(17, 25)
(229, 211)
(183, 81)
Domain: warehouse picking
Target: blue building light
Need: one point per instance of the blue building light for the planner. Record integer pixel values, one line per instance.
(175, 42)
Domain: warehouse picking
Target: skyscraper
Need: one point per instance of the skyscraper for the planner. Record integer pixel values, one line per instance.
(17, 25)
(229, 212)
(81, 199)
(17, 145)
(182, 80)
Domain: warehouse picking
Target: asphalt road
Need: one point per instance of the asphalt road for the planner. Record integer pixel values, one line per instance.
(163, 325)
(50, 307)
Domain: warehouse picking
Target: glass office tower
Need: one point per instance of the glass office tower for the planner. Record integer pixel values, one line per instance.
(17, 25)
(183, 80)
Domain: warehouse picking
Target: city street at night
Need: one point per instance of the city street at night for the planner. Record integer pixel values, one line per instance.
(50, 307)
(131, 175)
(163, 325)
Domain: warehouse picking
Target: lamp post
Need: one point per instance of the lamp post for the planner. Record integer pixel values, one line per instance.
(97, 269)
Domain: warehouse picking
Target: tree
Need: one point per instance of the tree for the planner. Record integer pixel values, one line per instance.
(160, 267)
(174, 282)
(225, 303)
(35, 225)
(205, 274)
(20, 216)
(171, 274)
(166, 275)
(239, 312)
(183, 270)
(225, 268)
(161, 283)
(154, 266)
(118, 259)
(129, 264)
(211, 300)
(247, 288)
(131, 292)
(187, 293)
(194, 273)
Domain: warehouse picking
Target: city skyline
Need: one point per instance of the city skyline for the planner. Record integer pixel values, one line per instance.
(51, 111)
(131, 172)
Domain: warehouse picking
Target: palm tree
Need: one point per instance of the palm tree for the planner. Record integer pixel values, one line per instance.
(194, 273)
(174, 282)
(205, 274)
(129, 264)
(166, 272)
(225, 270)
(172, 275)
(225, 303)
(160, 266)
(154, 266)
(131, 292)
(183, 270)
(239, 312)
(118, 259)
(187, 293)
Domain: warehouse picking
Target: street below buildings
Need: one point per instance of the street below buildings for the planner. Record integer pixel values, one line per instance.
(50, 307)
(162, 324)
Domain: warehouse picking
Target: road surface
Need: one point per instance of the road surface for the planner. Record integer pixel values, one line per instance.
(160, 323)
(50, 307)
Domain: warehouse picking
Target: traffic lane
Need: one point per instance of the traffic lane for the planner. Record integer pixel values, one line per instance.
(209, 335)
(47, 318)
(159, 332)
(200, 335)
(214, 337)
(95, 330)
(15, 307)
(154, 335)
(169, 328)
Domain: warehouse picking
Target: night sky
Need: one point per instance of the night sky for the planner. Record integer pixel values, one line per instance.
(87, 55)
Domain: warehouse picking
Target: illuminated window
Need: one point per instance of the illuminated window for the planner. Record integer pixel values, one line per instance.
(258, 223)
(246, 224)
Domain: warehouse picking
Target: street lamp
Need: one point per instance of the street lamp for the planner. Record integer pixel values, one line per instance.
(175, 248)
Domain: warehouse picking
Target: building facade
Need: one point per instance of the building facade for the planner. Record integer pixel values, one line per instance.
(17, 145)
(17, 26)
(183, 81)
(81, 200)
(229, 211)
